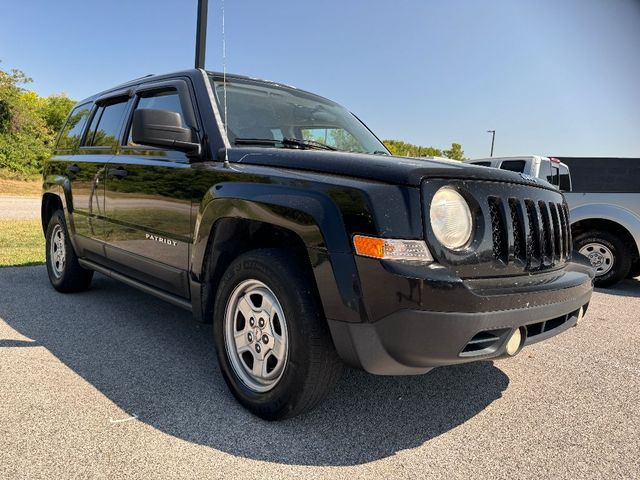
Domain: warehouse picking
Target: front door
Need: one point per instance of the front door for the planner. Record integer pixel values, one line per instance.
(148, 200)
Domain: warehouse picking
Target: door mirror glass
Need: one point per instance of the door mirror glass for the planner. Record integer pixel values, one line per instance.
(162, 128)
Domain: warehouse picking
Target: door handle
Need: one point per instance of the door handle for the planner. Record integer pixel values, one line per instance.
(73, 169)
(118, 172)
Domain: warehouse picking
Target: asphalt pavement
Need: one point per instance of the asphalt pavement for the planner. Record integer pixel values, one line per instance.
(112, 383)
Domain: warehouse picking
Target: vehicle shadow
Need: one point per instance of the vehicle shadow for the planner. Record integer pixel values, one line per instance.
(153, 361)
(626, 288)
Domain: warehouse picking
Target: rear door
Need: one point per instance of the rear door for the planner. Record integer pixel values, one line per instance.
(87, 173)
(148, 197)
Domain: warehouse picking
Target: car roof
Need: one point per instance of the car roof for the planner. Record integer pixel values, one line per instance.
(188, 73)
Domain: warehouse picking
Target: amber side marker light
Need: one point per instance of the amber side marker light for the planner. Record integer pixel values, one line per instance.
(392, 249)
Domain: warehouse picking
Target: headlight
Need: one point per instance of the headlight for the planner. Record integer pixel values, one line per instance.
(451, 218)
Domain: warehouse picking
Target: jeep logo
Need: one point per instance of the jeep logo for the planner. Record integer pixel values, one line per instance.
(155, 238)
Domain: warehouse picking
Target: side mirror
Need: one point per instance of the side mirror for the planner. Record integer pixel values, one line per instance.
(162, 128)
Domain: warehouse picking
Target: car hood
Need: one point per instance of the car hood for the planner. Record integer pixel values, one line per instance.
(383, 168)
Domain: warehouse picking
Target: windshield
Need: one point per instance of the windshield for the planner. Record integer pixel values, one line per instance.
(270, 115)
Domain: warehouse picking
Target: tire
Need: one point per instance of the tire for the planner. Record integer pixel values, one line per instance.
(65, 273)
(299, 362)
(608, 254)
(635, 270)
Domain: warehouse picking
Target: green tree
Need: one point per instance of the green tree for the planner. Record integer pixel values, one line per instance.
(55, 111)
(404, 149)
(455, 152)
(28, 123)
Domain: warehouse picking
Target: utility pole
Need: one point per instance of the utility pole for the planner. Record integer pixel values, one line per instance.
(201, 32)
(493, 139)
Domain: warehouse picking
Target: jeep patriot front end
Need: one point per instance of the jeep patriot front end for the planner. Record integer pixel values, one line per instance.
(278, 216)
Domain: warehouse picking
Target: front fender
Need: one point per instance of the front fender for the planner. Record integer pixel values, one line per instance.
(614, 213)
(312, 216)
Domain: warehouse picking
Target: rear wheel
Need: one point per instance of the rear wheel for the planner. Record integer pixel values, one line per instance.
(609, 256)
(273, 344)
(65, 273)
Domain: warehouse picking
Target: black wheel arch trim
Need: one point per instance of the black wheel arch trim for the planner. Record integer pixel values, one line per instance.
(316, 220)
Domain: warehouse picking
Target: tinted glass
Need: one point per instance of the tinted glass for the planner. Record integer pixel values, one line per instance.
(513, 165)
(555, 176)
(160, 100)
(565, 179)
(92, 126)
(268, 111)
(482, 164)
(335, 137)
(105, 126)
(72, 130)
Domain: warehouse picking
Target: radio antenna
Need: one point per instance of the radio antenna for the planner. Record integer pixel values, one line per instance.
(224, 84)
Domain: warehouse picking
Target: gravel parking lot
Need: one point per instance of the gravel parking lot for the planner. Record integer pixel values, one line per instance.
(19, 208)
(114, 383)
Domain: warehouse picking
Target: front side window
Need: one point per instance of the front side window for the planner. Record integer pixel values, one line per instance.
(72, 130)
(270, 115)
(555, 176)
(105, 125)
(167, 99)
(565, 179)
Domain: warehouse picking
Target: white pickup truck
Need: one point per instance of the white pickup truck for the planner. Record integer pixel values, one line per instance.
(603, 195)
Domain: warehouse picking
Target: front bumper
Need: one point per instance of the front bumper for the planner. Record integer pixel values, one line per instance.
(414, 340)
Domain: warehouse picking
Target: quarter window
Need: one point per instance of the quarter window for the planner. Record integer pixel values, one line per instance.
(72, 130)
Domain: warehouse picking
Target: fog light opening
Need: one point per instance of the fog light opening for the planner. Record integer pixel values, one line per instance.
(515, 342)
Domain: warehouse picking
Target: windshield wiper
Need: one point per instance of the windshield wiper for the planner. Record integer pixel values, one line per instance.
(286, 141)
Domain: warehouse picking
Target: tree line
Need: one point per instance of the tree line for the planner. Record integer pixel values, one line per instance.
(29, 125)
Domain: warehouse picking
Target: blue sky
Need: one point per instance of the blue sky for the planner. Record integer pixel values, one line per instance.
(552, 77)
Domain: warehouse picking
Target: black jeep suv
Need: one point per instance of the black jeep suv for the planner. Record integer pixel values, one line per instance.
(278, 216)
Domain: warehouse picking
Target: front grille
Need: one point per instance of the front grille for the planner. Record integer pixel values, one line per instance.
(540, 233)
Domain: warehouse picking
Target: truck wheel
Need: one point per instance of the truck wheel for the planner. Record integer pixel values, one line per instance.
(273, 344)
(65, 273)
(635, 270)
(609, 256)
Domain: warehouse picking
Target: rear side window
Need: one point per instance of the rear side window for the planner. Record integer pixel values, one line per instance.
(482, 164)
(513, 165)
(105, 125)
(72, 130)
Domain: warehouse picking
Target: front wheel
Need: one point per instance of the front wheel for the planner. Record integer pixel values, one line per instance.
(609, 256)
(273, 344)
(635, 270)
